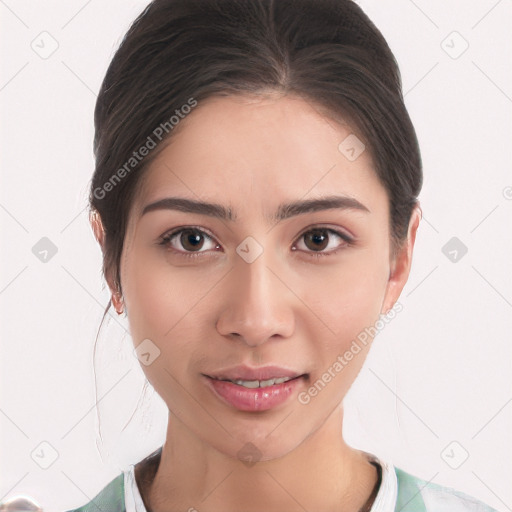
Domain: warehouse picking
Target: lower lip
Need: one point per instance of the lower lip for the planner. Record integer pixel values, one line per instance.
(254, 399)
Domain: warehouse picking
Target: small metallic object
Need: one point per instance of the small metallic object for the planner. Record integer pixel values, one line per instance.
(20, 504)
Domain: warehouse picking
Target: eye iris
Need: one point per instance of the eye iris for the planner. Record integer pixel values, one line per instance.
(316, 236)
(193, 237)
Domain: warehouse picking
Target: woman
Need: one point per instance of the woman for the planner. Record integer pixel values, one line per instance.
(255, 198)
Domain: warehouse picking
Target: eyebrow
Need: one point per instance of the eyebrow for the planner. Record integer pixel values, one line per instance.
(284, 211)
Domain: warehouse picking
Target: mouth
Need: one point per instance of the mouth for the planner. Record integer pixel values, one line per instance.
(253, 384)
(254, 390)
(261, 374)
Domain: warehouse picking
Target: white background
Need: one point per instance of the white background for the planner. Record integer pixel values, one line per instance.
(439, 373)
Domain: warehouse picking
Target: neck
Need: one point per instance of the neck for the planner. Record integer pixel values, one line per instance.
(322, 473)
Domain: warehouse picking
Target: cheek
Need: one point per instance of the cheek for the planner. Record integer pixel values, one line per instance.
(347, 302)
(158, 300)
(163, 306)
(347, 299)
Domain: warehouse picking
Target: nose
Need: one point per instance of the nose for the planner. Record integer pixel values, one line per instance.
(259, 304)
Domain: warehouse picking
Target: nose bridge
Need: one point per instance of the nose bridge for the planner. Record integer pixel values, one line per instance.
(258, 307)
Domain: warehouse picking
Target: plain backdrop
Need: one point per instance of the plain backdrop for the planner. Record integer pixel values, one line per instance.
(435, 394)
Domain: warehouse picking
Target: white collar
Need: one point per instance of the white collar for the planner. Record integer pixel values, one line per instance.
(385, 501)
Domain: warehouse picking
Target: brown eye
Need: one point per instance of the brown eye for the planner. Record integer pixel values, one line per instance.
(317, 239)
(322, 241)
(191, 239)
(188, 241)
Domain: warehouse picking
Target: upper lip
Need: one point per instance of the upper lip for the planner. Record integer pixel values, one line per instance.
(248, 373)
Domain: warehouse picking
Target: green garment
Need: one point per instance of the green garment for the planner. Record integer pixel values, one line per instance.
(110, 499)
(413, 495)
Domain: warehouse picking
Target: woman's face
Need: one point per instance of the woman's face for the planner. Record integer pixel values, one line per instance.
(252, 289)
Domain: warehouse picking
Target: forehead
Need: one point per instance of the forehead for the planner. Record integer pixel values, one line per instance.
(256, 149)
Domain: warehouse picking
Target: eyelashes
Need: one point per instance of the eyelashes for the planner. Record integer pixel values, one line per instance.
(319, 233)
(197, 238)
(193, 234)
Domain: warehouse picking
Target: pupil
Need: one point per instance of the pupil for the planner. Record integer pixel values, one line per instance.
(316, 237)
(193, 238)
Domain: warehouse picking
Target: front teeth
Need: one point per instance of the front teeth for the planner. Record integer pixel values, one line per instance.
(260, 383)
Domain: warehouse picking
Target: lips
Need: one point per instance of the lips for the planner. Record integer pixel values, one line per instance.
(254, 389)
(252, 384)
(246, 373)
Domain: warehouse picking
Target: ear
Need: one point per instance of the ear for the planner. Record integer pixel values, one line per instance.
(99, 234)
(401, 264)
(97, 227)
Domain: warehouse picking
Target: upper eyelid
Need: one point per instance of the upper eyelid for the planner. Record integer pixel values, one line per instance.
(173, 232)
(336, 230)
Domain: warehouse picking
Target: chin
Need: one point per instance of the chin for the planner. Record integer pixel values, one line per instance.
(258, 444)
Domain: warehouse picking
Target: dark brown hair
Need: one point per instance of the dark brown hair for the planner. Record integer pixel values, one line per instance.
(326, 51)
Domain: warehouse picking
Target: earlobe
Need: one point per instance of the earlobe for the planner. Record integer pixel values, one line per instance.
(401, 264)
(97, 227)
(117, 302)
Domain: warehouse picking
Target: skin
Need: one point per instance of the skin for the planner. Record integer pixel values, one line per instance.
(287, 308)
